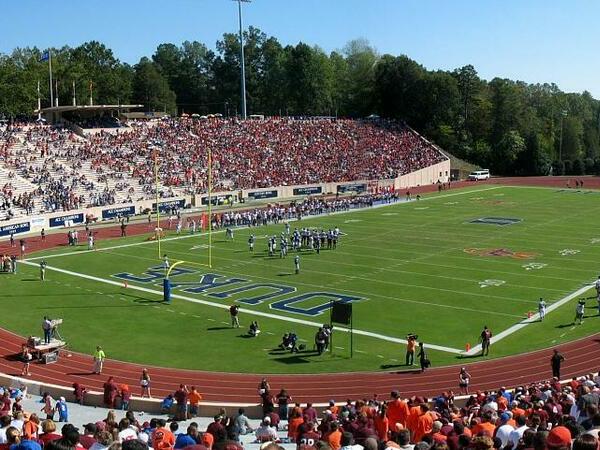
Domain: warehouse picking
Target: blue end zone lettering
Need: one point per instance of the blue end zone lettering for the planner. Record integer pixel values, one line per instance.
(279, 290)
(207, 281)
(285, 305)
(154, 273)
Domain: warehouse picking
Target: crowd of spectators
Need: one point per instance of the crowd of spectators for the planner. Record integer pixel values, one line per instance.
(245, 154)
(539, 416)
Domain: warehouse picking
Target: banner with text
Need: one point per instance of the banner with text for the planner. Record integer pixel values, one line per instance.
(308, 190)
(168, 206)
(61, 220)
(115, 212)
(15, 228)
(259, 195)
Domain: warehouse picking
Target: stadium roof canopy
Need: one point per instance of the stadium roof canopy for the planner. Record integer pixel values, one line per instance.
(86, 108)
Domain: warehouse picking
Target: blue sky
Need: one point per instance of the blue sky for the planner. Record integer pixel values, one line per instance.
(530, 40)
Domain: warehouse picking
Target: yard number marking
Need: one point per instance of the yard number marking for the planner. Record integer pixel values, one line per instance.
(534, 266)
(487, 283)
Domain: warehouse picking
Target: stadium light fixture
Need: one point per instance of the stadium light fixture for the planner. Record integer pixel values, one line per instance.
(563, 114)
(243, 64)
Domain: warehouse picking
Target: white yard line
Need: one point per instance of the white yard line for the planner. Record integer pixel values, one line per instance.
(534, 318)
(248, 311)
(350, 291)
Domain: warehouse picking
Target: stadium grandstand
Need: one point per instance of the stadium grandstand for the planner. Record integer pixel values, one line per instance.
(49, 168)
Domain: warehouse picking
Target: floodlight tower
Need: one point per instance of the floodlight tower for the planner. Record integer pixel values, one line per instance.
(243, 64)
(564, 113)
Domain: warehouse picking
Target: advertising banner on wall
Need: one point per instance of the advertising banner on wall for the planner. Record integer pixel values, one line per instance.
(120, 211)
(59, 221)
(259, 195)
(308, 190)
(15, 228)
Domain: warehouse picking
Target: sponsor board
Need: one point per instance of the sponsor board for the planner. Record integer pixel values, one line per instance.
(259, 195)
(217, 199)
(59, 221)
(119, 211)
(308, 190)
(355, 187)
(169, 205)
(7, 230)
(37, 222)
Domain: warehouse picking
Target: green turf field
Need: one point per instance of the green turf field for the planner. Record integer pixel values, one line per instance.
(420, 267)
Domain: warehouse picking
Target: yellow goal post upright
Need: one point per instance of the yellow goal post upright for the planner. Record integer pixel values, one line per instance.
(209, 208)
(157, 231)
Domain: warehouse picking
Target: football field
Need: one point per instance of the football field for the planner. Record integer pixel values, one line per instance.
(442, 268)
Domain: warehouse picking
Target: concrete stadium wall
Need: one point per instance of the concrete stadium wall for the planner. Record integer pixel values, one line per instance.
(428, 175)
(147, 405)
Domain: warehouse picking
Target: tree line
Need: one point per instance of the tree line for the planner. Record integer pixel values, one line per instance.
(510, 126)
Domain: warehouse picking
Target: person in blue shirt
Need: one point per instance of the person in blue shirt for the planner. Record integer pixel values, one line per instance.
(63, 410)
(167, 403)
(189, 438)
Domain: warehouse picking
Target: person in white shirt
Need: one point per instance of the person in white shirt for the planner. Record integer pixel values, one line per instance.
(18, 421)
(125, 431)
(515, 436)
(348, 442)
(504, 430)
(265, 432)
(4, 424)
(103, 441)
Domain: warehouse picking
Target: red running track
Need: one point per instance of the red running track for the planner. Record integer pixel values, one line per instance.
(583, 356)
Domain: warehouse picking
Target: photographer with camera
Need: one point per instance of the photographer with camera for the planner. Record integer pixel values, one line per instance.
(411, 346)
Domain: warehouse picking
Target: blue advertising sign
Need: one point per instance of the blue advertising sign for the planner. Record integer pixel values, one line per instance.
(169, 205)
(15, 228)
(308, 190)
(258, 195)
(59, 221)
(358, 188)
(119, 211)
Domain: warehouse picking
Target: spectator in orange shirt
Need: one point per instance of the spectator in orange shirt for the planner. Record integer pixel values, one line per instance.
(294, 422)
(424, 423)
(516, 411)
(486, 427)
(382, 423)
(397, 410)
(335, 410)
(413, 415)
(162, 438)
(194, 398)
(334, 437)
(436, 434)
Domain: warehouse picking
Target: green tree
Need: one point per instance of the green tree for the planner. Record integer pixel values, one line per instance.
(151, 88)
(506, 152)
